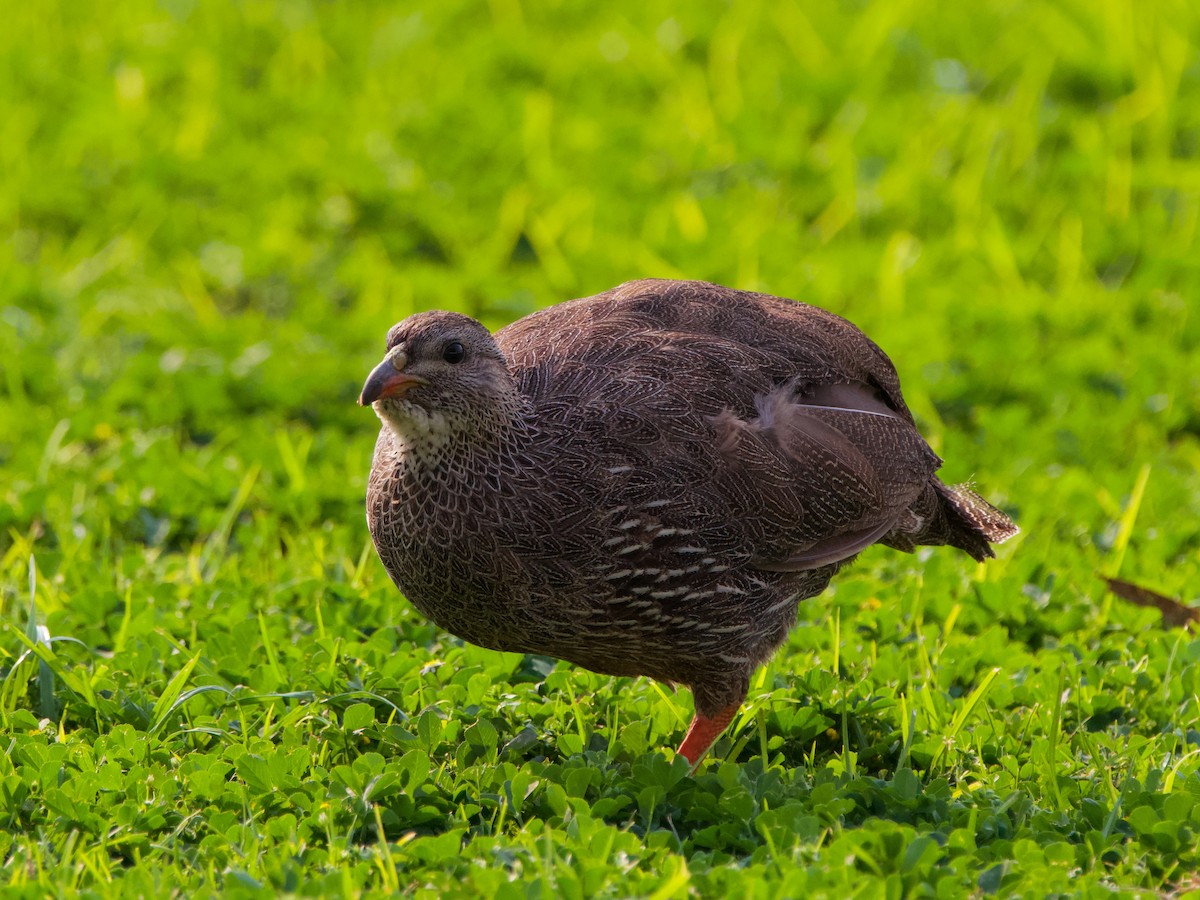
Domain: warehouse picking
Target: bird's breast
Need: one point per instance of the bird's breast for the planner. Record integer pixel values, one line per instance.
(440, 540)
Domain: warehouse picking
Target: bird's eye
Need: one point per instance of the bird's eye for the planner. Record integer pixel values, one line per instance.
(454, 352)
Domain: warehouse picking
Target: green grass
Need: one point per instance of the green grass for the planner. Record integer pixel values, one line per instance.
(212, 212)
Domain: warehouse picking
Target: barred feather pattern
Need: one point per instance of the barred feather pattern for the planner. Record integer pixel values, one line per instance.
(648, 481)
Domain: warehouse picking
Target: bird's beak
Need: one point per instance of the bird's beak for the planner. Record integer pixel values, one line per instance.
(388, 379)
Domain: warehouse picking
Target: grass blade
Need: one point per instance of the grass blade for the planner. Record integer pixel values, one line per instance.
(964, 713)
(40, 634)
(214, 547)
(167, 700)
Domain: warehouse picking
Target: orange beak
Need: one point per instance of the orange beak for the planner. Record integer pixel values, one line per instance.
(386, 380)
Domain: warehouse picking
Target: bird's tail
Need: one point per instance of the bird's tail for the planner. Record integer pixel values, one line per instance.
(953, 515)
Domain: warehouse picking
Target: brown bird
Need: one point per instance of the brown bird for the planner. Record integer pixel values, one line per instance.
(648, 481)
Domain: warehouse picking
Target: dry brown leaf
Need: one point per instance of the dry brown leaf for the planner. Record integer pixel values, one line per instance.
(1175, 614)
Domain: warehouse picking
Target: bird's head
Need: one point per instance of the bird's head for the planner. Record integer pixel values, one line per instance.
(442, 374)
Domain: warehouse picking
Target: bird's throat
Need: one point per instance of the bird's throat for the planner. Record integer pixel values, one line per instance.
(420, 437)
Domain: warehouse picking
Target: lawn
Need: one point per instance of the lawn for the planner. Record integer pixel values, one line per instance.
(210, 213)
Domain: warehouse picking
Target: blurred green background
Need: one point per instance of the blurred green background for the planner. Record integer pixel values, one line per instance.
(211, 212)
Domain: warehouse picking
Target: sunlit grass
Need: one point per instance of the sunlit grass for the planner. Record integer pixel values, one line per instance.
(213, 212)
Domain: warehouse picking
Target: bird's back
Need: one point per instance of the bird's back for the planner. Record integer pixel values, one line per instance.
(726, 344)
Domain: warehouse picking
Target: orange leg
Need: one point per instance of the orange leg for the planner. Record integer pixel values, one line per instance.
(704, 732)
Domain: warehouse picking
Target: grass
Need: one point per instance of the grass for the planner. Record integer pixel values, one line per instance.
(212, 212)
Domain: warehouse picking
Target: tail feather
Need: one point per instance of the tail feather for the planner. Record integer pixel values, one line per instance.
(953, 515)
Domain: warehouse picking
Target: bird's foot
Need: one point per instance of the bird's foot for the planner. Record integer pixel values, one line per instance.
(704, 732)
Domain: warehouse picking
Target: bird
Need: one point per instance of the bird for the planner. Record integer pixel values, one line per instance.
(648, 481)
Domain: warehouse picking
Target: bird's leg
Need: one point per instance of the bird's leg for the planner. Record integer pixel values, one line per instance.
(704, 731)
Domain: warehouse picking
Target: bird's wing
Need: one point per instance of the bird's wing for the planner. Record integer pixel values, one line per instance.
(850, 467)
(758, 426)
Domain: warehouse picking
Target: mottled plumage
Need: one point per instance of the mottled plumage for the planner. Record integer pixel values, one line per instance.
(648, 481)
